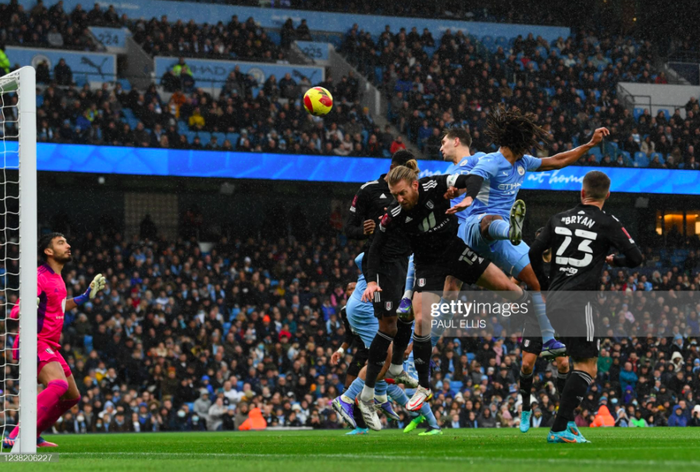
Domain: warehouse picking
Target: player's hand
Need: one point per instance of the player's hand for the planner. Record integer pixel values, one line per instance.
(369, 226)
(335, 358)
(97, 284)
(369, 292)
(598, 136)
(453, 192)
(463, 205)
(610, 258)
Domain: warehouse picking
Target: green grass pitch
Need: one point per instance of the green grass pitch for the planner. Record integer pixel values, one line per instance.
(614, 449)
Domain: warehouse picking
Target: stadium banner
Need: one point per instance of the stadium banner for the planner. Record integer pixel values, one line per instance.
(587, 315)
(317, 20)
(240, 165)
(114, 39)
(313, 50)
(92, 66)
(213, 73)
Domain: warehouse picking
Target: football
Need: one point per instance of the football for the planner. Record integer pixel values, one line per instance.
(318, 101)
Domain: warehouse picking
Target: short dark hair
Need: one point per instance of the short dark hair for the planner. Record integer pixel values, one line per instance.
(401, 157)
(465, 138)
(510, 128)
(596, 184)
(45, 242)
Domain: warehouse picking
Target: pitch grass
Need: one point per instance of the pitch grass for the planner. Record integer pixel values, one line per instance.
(618, 449)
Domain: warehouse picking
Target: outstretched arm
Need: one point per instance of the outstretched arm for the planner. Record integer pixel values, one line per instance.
(563, 159)
(97, 284)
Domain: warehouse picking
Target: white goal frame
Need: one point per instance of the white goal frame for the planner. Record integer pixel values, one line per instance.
(24, 81)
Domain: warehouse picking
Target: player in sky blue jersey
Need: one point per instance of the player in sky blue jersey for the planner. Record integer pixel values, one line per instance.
(494, 219)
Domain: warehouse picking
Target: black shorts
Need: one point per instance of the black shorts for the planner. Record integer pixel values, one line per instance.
(391, 278)
(574, 319)
(458, 260)
(532, 337)
(581, 348)
(359, 359)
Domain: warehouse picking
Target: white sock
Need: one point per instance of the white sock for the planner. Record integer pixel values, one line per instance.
(381, 398)
(367, 394)
(408, 294)
(395, 369)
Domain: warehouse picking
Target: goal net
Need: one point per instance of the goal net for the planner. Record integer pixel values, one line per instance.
(18, 242)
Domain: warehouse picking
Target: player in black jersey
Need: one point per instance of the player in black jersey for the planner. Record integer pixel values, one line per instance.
(530, 348)
(359, 358)
(423, 215)
(367, 209)
(581, 239)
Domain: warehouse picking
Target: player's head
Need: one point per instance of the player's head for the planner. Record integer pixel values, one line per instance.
(455, 143)
(400, 158)
(509, 128)
(54, 246)
(403, 183)
(349, 288)
(596, 187)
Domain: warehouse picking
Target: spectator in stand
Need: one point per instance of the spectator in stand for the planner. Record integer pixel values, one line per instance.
(397, 144)
(303, 33)
(62, 73)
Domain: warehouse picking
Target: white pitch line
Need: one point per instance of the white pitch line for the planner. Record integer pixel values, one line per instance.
(557, 460)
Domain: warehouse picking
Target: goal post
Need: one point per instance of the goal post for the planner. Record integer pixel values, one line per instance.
(18, 94)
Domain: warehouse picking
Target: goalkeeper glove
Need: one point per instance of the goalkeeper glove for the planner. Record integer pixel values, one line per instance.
(97, 284)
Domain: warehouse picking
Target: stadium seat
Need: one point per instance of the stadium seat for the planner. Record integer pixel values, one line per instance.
(659, 155)
(641, 159)
(190, 136)
(233, 137)
(638, 112)
(204, 136)
(596, 152)
(665, 112)
(456, 385)
(220, 138)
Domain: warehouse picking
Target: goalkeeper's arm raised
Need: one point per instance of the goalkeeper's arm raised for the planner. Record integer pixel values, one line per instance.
(97, 284)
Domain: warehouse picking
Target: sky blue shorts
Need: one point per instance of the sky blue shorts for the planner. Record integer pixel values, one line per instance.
(362, 320)
(511, 259)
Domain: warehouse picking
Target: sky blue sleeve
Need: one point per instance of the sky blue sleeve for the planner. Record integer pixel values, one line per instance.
(486, 167)
(532, 164)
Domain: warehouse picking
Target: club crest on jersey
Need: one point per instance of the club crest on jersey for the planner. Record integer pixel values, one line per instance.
(421, 282)
(387, 306)
(526, 343)
(49, 350)
(430, 205)
(521, 170)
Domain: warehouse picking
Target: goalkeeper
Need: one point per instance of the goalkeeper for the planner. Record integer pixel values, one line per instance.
(60, 392)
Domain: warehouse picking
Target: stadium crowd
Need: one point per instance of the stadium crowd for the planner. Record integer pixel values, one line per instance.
(570, 84)
(242, 335)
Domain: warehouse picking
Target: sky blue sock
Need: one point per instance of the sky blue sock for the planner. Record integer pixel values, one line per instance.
(541, 314)
(499, 229)
(397, 394)
(380, 388)
(428, 413)
(437, 330)
(354, 389)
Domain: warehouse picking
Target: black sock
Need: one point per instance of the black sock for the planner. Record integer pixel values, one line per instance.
(359, 420)
(525, 388)
(576, 386)
(561, 382)
(422, 347)
(401, 340)
(377, 356)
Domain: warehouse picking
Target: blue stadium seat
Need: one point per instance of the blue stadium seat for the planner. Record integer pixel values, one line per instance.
(190, 136)
(581, 94)
(641, 160)
(126, 85)
(227, 326)
(274, 36)
(182, 127)
(204, 136)
(220, 137)
(638, 112)
(470, 357)
(502, 41)
(665, 112)
(456, 385)
(233, 137)
(190, 405)
(596, 152)
(659, 155)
